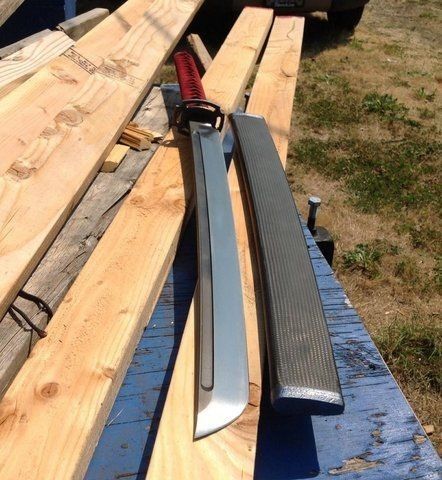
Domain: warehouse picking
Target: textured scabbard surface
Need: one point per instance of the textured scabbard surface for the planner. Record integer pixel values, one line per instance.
(303, 376)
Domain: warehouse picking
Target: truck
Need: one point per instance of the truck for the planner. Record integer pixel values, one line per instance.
(343, 14)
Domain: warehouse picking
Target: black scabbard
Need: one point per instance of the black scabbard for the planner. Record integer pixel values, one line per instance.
(303, 375)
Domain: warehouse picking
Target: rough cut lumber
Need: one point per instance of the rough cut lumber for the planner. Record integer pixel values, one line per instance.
(15, 47)
(114, 158)
(54, 411)
(200, 50)
(19, 66)
(81, 24)
(58, 166)
(27, 110)
(79, 236)
(7, 8)
(230, 453)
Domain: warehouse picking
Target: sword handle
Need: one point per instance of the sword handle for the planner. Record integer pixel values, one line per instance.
(195, 107)
(189, 80)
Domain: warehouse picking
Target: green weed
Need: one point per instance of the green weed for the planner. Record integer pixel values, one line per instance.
(364, 258)
(426, 114)
(422, 236)
(413, 350)
(356, 44)
(393, 49)
(385, 105)
(428, 15)
(422, 94)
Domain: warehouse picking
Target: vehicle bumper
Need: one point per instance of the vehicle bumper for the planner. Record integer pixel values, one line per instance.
(303, 6)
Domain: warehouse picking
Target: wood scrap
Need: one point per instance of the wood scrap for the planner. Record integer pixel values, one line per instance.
(429, 429)
(44, 95)
(200, 50)
(59, 165)
(230, 453)
(81, 24)
(19, 66)
(66, 388)
(138, 138)
(114, 158)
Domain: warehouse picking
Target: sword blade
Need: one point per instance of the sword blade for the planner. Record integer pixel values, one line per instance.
(222, 370)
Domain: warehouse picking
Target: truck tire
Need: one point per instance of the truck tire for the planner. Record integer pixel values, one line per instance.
(346, 19)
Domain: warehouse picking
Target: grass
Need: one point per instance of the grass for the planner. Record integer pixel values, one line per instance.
(379, 176)
(364, 258)
(367, 140)
(422, 94)
(413, 350)
(385, 105)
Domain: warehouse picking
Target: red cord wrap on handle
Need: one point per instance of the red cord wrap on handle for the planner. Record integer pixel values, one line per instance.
(194, 107)
(188, 77)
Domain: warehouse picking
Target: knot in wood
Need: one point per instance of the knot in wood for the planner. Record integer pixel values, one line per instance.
(49, 390)
(69, 116)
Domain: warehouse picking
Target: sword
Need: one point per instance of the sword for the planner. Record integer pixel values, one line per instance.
(222, 384)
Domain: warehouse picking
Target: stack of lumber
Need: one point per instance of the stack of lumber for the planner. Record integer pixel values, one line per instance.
(138, 138)
(70, 145)
(53, 413)
(40, 99)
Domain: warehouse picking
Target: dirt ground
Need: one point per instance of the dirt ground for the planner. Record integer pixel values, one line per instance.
(366, 139)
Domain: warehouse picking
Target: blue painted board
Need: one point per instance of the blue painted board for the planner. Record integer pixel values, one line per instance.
(377, 437)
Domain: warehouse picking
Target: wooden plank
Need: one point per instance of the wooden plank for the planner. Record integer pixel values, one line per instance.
(18, 67)
(28, 109)
(114, 158)
(67, 386)
(15, 47)
(7, 8)
(78, 238)
(200, 50)
(81, 24)
(378, 430)
(59, 165)
(230, 453)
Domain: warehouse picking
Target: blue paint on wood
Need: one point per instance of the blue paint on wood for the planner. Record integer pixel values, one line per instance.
(377, 437)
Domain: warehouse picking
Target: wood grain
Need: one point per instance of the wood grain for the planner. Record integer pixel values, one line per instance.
(200, 50)
(28, 109)
(24, 42)
(7, 8)
(19, 66)
(114, 158)
(79, 237)
(59, 165)
(81, 24)
(54, 411)
(230, 453)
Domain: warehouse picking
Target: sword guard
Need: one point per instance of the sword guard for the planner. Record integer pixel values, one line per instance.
(197, 110)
